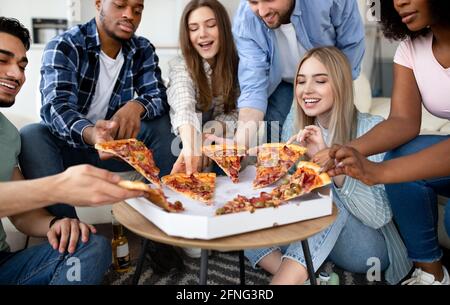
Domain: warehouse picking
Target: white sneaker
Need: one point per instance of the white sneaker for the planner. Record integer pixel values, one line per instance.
(195, 252)
(420, 277)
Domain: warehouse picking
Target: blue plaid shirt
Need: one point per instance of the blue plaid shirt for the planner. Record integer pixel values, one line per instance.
(70, 70)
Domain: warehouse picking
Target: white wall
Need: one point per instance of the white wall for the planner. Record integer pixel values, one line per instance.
(159, 24)
(24, 10)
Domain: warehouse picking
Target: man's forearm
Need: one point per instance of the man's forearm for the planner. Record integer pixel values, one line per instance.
(431, 162)
(33, 223)
(248, 127)
(22, 196)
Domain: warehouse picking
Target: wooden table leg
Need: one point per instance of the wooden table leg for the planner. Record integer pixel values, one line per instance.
(242, 267)
(138, 271)
(309, 264)
(204, 266)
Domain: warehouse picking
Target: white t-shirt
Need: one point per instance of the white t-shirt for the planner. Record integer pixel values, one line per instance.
(109, 72)
(291, 51)
(432, 78)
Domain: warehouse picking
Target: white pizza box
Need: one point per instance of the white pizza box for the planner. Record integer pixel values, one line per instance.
(199, 220)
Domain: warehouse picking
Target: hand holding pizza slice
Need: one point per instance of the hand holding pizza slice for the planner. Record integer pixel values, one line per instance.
(156, 196)
(306, 178)
(136, 154)
(274, 161)
(227, 157)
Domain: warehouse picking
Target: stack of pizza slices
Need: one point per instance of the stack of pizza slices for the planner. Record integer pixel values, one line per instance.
(274, 161)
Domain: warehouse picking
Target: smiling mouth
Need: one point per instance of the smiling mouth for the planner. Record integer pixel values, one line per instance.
(309, 101)
(206, 45)
(8, 85)
(270, 18)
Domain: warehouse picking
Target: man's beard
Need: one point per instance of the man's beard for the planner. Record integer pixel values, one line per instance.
(6, 104)
(107, 31)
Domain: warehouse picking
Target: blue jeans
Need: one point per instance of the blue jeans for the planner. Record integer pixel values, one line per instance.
(41, 265)
(44, 154)
(347, 242)
(278, 107)
(414, 205)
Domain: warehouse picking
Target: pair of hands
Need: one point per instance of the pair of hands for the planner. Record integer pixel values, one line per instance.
(337, 160)
(124, 124)
(65, 233)
(346, 160)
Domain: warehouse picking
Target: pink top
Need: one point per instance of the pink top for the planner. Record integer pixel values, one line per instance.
(432, 79)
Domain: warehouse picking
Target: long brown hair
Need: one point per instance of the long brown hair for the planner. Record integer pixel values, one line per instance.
(342, 125)
(226, 64)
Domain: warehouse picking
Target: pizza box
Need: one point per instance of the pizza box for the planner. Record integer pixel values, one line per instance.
(199, 220)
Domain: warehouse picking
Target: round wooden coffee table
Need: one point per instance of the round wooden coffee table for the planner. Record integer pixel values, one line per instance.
(274, 236)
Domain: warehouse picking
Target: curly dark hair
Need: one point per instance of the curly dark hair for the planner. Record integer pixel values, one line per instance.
(14, 27)
(394, 28)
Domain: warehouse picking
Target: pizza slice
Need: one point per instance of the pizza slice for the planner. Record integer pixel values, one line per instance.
(136, 154)
(227, 157)
(306, 178)
(198, 186)
(156, 196)
(274, 161)
(242, 204)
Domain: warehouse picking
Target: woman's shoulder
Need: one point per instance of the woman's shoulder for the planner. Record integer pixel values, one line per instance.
(366, 121)
(409, 48)
(177, 63)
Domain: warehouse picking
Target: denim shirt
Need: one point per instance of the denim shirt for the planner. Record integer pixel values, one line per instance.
(316, 22)
(70, 70)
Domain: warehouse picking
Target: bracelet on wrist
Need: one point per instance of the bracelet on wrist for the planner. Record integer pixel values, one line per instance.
(54, 219)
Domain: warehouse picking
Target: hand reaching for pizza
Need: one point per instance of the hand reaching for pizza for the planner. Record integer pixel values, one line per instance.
(86, 185)
(311, 138)
(209, 138)
(187, 163)
(128, 119)
(101, 132)
(322, 158)
(352, 163)
(65, 233)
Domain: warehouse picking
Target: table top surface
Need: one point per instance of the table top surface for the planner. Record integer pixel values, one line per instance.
(279, 235)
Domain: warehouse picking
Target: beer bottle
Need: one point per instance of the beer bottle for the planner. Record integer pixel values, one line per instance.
(120, 249)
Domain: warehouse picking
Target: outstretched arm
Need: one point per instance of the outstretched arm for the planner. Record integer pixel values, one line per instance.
(81, 185)
(403, 123)
(431, 162)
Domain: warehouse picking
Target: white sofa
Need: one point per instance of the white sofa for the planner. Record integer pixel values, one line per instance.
(364, 102)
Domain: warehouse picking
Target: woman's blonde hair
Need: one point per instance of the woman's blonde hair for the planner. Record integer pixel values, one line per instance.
(342, 126)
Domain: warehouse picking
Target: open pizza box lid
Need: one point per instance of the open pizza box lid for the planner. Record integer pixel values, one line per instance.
(199, 220)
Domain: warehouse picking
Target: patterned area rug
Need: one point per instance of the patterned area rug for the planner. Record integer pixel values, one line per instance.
(223, 269)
